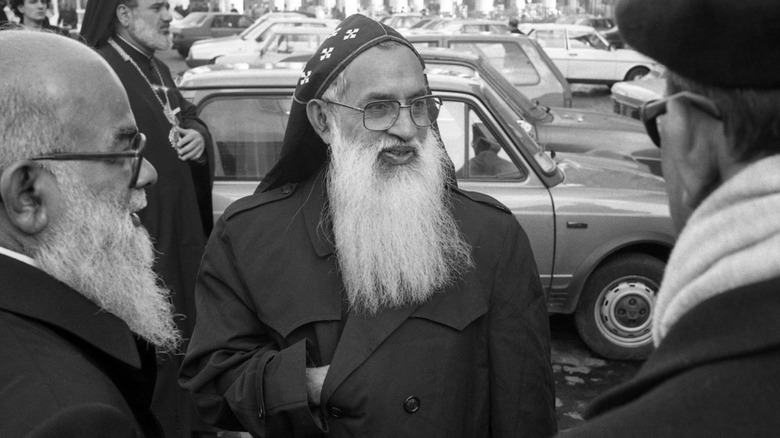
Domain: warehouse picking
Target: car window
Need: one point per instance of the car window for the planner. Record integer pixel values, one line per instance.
(586, 40)
(193, 19)
(289, 43)
(507, 57)
(550, 39)
(218, 21)
(247, 132)
(244, 21)
(474, 150)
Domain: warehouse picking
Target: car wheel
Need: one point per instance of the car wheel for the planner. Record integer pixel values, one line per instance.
(183, 51)
(636, 73)
(615, 312)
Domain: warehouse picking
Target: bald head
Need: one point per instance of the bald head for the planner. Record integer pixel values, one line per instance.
(74, 90)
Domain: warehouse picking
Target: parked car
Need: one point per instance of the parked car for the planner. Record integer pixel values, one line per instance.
(555, 129)
(600, 228)
(281, 43)
(251, 40)
(628, 96)
(601, 24)
(403, 20)
(585, 56)
(519, 58)
(209, 25)
(448, 25)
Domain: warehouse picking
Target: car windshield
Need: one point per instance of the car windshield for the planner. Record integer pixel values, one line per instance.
(519, 129)
(193, 19)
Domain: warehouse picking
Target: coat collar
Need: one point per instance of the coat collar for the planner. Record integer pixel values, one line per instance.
(734, 324)
(32, 293)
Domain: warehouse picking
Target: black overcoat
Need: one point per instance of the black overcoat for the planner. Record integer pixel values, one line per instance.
(715, 374)
(473, 361)
(67, 368)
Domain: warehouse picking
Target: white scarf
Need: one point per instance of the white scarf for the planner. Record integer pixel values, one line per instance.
(732, 239)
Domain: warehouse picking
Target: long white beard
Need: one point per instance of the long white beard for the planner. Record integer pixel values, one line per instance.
(151, 36)
(396, 240)
(96, 250)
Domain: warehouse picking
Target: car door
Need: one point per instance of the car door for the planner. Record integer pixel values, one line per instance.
(553, 41)
(588, 57)
(467, 128)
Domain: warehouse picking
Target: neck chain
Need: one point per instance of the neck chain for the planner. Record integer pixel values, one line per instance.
(173, 135)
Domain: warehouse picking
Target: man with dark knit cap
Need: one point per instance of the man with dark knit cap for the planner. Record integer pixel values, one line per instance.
(127, 33)
(359, 292)
(716, 367)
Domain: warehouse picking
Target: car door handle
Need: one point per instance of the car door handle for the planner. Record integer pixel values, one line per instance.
(576, 225)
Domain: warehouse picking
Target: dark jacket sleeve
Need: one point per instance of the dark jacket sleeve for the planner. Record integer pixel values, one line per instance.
(522, 387)
(238, 375)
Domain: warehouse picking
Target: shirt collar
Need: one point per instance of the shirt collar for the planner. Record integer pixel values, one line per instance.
(19, 256)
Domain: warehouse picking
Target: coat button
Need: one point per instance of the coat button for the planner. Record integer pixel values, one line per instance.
(287, 189)
(261, 413)
(412, 404)
(335, 412)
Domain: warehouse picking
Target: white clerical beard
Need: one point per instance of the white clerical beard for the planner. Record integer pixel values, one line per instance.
(151, 36)
(96, 250)
(396, 240)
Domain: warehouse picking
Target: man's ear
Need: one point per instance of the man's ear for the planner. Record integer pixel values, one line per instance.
(702, 147)
(123, 14)
(318, 117)
(22, 187)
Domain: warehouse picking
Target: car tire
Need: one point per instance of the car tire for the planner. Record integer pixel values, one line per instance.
(615, 312)
(636, 73)
(183, 52)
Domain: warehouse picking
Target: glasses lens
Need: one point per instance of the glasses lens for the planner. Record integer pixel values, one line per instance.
(425, 110)
(137, 144)
(649, 114)
(379, 116)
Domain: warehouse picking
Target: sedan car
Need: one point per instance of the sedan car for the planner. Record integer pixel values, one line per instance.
(519, 58)
(250, 40)
(207, 25)
(599, 228)
(281, 43)
(628, 96)
(585, 56)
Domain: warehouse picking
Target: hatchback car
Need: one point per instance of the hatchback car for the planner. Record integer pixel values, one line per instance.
(209, 25)
(519, 58)
(250, 40)
(600, 228)
(554, 128)
(585, 56)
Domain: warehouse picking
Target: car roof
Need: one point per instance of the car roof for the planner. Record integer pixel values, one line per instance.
(284, 75)
(297, 30)
(574, 27)
(465, 36)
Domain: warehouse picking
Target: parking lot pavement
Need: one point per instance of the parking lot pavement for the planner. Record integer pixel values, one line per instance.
(580, 376)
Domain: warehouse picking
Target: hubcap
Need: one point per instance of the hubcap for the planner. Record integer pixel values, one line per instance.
(625, 310)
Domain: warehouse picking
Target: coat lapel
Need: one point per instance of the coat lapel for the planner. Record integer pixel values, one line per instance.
(361, 336)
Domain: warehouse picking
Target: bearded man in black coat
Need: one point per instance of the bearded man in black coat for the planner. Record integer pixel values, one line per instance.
(80, 310)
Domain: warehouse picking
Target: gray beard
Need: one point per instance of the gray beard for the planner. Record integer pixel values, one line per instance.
(150, 36)
(96, 250)
(396, 240)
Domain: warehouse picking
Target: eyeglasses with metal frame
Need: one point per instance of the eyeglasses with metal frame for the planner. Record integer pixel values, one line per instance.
(650, 111)
(137, 145)
(380, 115)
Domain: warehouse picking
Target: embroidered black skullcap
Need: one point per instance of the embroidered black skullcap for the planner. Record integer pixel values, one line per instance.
(303, 151)
(98, 21)
(725, 43)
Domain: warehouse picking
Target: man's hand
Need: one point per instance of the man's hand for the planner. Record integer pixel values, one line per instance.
(315, 377)
(191, 145)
